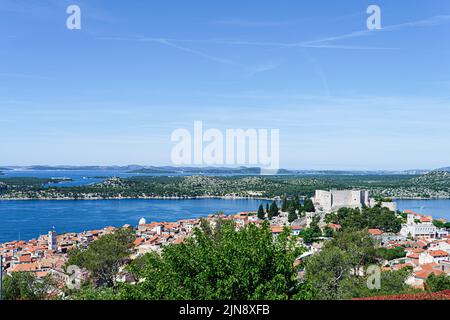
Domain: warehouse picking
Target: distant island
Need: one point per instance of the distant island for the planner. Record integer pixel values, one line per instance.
(433, 185)
(140, 169)
(195, 170)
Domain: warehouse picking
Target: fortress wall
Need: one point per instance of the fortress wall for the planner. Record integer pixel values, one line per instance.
(342, 197)
(335, 199)
(323, 199)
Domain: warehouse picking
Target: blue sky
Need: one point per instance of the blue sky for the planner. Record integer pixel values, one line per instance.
(343, 97)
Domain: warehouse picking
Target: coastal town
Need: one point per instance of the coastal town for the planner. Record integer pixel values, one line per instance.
(424, 240)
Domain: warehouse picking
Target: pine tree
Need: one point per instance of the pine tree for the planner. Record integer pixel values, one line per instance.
(292, 215)
(284, 204)
(296, 202)
(269, 215)
(273, 209)
(261, 213)
(309, 206)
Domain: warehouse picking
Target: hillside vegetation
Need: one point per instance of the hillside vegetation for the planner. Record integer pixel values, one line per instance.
(432, 185)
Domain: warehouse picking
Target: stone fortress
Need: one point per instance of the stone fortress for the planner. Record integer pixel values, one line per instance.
(329, 201)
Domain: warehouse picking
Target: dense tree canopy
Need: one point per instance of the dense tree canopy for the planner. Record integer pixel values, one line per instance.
(438, 283)
(220, 262)
(338, 270)
(372, 218)
(25, 286)
(104, 256)
(391, 283)
(308, 206)
(230, 264)
(391, 254)
(312, 232)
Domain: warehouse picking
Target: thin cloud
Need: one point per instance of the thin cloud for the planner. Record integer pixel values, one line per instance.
(429, 22)
(264, 68)
(23, 76)
(310, 44)
(169, 43)
(324, 43)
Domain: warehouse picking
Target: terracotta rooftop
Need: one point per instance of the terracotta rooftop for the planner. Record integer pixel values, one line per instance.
(25, 267)
(438, 253)
(375, 232)
(425, 273)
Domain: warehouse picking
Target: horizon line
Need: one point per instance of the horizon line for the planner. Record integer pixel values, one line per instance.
(210, 166)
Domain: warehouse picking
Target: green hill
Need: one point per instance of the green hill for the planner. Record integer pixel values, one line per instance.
(435, 178)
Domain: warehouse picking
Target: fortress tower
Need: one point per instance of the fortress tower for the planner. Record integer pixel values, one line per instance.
(335, 199)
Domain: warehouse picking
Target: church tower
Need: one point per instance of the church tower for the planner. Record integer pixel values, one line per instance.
(52, 241)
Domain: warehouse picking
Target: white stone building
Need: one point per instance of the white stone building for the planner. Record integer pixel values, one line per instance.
(333, 200)
(431, 256)
(418, 229)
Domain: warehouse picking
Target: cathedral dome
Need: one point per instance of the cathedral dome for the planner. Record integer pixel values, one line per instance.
(142, 221)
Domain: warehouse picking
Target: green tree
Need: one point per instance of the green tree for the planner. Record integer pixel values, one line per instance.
(308, 235)
(292, 215)
(88, 292)
(438, 223)
(359, 245)
(261, 214)
(328, 232)
(392, 283)
(105, 256)
(313, 232)
(336, 272)
(206, 227)
(308, 206)
(325, 270)
(244, 265)
(371, 218)
(296, 202)
(284, 204)
(273, 211)
(26, 286)
(438, 283)
(391, 254)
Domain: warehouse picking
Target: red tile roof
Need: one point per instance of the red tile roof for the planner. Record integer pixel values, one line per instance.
(25, 259)
(375, 232)
(425, 273)
(334, 226)
(138, 241)
(276, 229)
(25, 267)
(438, 253)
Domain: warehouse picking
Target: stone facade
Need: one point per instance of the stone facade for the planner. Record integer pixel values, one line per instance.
(333, 200)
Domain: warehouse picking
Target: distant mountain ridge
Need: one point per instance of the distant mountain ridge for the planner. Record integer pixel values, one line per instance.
(141, 169)
(199, 170)
(437, 178)
(63, 167)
